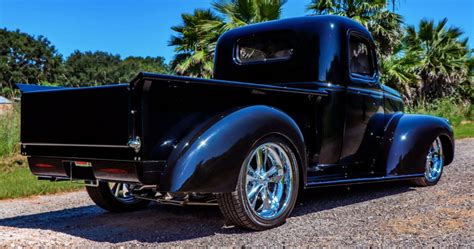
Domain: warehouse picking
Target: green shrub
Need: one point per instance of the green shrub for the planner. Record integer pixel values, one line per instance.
(454, 111)
(9, 132)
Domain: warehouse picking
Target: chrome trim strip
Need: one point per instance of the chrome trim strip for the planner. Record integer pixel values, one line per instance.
(360, 180)
(76, 145)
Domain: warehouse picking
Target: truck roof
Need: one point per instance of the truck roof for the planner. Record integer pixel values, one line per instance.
(310, 24)
(317, 44)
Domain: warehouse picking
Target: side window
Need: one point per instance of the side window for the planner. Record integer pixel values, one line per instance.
(361, 62)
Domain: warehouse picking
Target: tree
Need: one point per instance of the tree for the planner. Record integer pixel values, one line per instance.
(27, 59)
(466, 88)
(132, 65)
(92, 68)
(239, 13)
(441, 55)
(99, 68)
(194, 56)
(385, 25)
(398, 72)
(196, 38)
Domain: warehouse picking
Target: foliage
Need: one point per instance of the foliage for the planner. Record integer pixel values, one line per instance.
(194, 54)
(384, 24)
(239, 13)
(398, 72)
(196, 38)
(99, 68)
(430, 63)
(9, 132)
(465, 89)
(27, 59)
(131, 65)
(92, 68)
(450, 108)
(442, 57)
(460, 114)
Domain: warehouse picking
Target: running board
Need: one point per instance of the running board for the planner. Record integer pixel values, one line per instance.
(316, 184)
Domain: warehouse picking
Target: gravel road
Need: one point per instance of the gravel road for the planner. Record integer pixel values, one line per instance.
(378, 215)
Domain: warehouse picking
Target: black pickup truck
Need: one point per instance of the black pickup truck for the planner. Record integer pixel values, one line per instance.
(294, 104)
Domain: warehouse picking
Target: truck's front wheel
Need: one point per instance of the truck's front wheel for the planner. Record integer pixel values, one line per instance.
(115, 197)
(433, 166)
(267, 188)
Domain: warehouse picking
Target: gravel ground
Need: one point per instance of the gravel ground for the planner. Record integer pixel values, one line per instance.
(368, 215)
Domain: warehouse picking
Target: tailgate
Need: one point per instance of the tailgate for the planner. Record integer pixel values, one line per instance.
(93, 117)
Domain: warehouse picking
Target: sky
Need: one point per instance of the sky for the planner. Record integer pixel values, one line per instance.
(142, 27)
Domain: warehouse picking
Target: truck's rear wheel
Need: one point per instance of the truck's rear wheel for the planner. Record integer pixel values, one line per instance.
(267, 188)
(433, 166)
(115, 197)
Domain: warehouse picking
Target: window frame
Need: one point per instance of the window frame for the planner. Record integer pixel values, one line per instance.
(355, 77)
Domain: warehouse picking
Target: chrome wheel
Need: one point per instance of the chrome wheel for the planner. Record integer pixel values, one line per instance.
(121, 192)
(269, 180)
(434, 161)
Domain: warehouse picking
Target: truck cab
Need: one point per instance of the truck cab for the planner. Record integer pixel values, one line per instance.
(329, 53)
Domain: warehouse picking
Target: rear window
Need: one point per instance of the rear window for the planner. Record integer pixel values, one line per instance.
(263, 48)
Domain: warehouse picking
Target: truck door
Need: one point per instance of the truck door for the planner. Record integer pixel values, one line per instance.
(364, 109)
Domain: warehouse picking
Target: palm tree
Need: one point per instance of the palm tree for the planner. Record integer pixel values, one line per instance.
(239, 13)
(196, 38)
(398, 71)
(442, 57)
(193, 55)
(385, 25)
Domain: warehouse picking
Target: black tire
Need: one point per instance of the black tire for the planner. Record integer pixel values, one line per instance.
(236, 207)
(102, 196)
(426, 180)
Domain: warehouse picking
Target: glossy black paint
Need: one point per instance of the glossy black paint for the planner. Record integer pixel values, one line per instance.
(90, 115)
(220, 148)
(408, 136)
(195, 133)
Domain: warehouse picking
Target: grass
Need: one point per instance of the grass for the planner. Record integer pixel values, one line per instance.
(17, 181)
(9, 132)
(464, 130)
(461, 115)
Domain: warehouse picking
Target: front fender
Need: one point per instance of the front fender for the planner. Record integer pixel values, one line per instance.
(210, 160)
(407, 140)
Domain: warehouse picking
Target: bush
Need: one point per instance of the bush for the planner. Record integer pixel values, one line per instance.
(9, 132)
(455, 111)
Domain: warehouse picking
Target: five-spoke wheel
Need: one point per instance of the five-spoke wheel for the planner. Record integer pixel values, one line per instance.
(267, 188)
(269, 180)
(433, 166)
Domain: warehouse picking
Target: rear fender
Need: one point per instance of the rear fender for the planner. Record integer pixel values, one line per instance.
(210, 160)
(407, 140)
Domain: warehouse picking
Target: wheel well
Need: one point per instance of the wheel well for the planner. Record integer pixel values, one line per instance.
(447, 148)
(299, 160)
